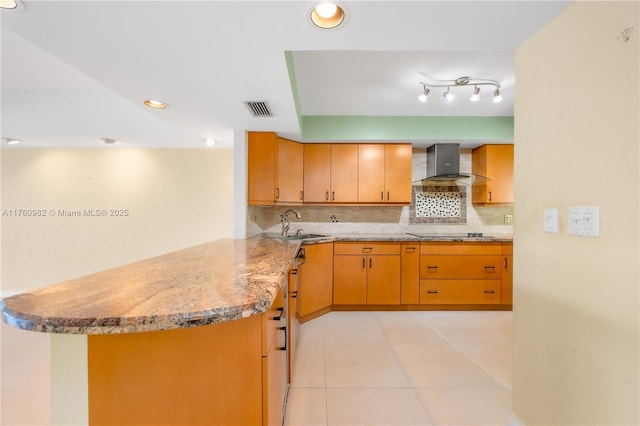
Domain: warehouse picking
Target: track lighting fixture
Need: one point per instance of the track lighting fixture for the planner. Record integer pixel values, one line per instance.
(461, 81)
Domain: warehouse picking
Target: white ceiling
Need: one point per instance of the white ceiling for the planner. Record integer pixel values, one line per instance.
(74, 72)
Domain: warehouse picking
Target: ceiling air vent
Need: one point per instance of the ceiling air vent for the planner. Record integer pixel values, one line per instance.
(259, 108)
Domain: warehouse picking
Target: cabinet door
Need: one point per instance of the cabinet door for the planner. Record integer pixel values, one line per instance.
(496, 163)
(315, 278)
(262, 150)
(500, 169)
(317, 173)
(383, 280)
(371, 164)
(274, 385)
(289, 173)
(349, 280)
(410, 277)
(344, 173)
(397, 175)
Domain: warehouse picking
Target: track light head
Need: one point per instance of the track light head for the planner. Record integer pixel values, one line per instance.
(424, 94)
(448, 96)
(476, 95)
(497, 96)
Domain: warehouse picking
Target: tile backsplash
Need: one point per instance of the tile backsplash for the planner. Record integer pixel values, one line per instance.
(456, 215)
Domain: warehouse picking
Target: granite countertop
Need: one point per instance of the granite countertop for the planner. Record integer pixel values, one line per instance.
(209, 283)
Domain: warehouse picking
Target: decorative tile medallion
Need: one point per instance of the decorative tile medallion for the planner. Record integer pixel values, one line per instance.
(438, 204)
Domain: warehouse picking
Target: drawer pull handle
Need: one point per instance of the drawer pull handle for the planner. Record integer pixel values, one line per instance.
(283, 348)
(370, 263)
(489, 268)
(293, 294)
(367, 249)
(281, 310)
(409, 249)
(364, 265)
(432, 267)
(432, 291)
(489, 292)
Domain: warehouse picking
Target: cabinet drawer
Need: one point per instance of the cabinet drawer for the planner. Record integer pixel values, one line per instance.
(271, 323)
(473, 267)
(460, 248)
(366, 248)
(447, 292)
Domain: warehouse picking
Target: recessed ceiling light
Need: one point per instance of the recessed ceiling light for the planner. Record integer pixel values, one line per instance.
(210, 142)
(327, 15)
(154, 103)
(8, 4)
(108, 141)
(12, 141)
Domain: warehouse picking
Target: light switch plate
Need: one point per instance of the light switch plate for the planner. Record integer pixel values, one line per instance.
(551, 220)
(584, 221)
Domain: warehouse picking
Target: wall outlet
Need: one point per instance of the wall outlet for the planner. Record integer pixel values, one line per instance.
(334, 218)
(508, 218)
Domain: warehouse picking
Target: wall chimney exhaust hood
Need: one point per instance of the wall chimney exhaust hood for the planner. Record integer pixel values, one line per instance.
(443, 164)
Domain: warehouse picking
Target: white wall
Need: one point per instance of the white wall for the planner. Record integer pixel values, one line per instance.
(174, 199)
(576, 299)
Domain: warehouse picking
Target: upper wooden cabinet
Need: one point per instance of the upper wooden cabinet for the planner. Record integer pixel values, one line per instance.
(274, 169)
(262, 148)
(496, 163)
(330, 173)
(289, 172)
(384, 173)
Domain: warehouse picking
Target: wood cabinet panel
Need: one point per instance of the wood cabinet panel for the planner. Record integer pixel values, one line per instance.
(397, 176)
(289, 172)
(366, 248)
(344, 173)
(459, 292)
(349, 280)
(383, 280)
(316, 279)
(506, 287)
(262, 149)
(452, 266)
(472, 248)
(410, 276)
(371, 173)
(317, 173)
(274, 385)
(496, 163)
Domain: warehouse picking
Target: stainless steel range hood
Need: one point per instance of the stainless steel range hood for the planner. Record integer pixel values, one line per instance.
(443, 164)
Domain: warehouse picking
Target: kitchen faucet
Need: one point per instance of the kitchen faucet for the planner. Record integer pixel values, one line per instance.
(285, 221)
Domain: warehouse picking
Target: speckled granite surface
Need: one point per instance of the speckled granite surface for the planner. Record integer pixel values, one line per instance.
(209, 283)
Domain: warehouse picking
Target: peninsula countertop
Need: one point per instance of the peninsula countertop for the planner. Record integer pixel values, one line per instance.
(209, 283)
(205, 284)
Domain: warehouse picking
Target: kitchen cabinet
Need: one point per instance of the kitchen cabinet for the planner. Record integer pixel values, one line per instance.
(330, 173)
(366, 273)
(289, 172)
(496, 163)
(410, 278)
(315, 279)
(232, 372)
(506, 288)
(275, 169)
(460, 273)
(274, 362)
(262, 150)
(292, 320)
(384, 173)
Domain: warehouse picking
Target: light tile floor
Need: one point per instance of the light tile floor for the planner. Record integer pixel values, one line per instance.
(352, 368)
(403, 368)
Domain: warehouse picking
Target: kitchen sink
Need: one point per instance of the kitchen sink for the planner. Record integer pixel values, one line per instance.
(300, 237)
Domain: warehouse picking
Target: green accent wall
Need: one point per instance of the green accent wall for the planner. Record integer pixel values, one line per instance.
(327, 128)
(403, 128)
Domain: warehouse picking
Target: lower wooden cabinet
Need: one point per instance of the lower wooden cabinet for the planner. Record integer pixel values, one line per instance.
(366, 273)
(315, 278)
(460, 273)
(231, 373)
(410, 279)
